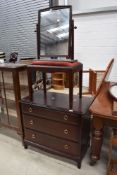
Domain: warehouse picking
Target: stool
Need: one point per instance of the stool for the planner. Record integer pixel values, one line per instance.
(56, 66)
(112, 163)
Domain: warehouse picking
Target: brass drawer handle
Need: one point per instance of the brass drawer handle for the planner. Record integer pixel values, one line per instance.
(65, 117)
(66, 146)
(33, 136)
(66, 131)
(31, 122)
(30, 109)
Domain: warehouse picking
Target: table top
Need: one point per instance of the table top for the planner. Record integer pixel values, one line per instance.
(102, 106)
(12, 66)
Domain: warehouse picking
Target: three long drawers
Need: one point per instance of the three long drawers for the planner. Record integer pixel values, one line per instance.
(57, 131)
(53, 128)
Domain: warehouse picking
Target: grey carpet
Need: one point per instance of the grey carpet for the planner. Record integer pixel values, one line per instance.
(15, 160)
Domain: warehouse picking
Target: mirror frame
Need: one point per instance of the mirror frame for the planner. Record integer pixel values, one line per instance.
(71, 37)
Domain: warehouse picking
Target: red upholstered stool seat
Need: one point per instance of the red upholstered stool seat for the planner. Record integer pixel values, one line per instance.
(56, 63)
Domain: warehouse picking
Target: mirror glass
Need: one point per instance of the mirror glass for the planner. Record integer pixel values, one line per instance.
(54, 32)
(113, 91)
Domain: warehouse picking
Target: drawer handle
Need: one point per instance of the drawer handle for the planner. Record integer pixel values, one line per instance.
(66, 146)
(31, 122)
(33, 136)
(65, 117)
(30, 109)
(65, 131)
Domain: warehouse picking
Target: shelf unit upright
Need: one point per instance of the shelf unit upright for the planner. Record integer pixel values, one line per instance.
(10, 94)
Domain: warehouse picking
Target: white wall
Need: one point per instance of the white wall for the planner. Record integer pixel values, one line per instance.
(61, 2)
(96, 36)
(90, 4)
(96, 40)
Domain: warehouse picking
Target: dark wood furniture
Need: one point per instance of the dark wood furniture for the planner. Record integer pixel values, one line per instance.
(53, 124)
(92, 81)
(101, 110)
(70, 70)
(10, 88)
(114, 112)
(54, 128)
(112, 162)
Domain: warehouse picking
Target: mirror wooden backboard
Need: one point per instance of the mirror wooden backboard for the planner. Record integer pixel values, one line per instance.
(54, 32)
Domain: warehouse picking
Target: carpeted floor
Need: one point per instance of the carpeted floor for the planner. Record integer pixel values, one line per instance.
(15, 160)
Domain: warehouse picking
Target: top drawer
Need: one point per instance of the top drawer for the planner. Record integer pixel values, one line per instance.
(52, 114)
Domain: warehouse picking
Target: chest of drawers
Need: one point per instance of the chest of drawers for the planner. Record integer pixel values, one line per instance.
(57, 130)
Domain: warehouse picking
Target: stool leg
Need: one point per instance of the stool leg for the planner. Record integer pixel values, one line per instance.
(80, 83)
(71, 75)
(44, 87)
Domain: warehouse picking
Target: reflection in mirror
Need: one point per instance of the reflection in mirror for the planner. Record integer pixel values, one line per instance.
(113, 91)
(54, 32)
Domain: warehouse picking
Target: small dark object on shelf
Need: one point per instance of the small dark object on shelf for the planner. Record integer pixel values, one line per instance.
(13, 57)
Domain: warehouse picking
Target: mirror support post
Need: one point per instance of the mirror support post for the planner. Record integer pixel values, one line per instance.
(38, 49)
(72, 40)
(54, 3)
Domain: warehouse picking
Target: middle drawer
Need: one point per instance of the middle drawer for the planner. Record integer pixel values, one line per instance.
(62, 130)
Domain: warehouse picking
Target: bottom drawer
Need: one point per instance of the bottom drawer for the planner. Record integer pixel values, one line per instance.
(52, 142)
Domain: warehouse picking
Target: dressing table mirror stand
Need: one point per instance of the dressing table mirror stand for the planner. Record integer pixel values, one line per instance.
(55, 33)
(56, 122)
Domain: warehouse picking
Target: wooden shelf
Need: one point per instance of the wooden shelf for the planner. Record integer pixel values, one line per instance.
(12, 122)
(10, 103)
(58, 80)
(58, 87)
(9, 86)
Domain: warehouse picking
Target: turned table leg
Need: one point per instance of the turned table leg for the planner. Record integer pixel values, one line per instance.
(96, 140)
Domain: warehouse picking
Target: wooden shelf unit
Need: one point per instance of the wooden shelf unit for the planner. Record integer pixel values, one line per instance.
(10, 94)
(58, 80)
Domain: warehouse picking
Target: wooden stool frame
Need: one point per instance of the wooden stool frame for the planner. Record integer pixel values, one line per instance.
(50, 69)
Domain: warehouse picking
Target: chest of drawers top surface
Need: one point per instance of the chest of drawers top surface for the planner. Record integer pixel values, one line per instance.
(58, 102)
